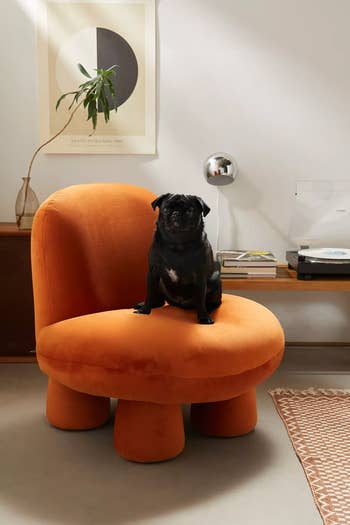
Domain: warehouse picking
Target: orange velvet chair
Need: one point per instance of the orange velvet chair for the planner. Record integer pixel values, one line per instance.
(89, 263)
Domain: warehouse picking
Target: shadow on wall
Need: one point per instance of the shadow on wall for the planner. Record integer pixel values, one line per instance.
(243, 195)
(77, 478)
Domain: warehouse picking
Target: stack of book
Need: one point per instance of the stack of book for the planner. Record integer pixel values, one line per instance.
(247, 263)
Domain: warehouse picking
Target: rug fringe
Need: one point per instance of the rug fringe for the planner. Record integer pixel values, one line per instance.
(311, 391)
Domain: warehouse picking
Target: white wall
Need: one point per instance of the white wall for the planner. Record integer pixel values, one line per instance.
(265, 80)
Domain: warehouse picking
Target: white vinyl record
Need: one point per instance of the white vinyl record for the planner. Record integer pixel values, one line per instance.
(326, 253)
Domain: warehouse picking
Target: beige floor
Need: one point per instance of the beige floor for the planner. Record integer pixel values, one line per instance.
(50, 476)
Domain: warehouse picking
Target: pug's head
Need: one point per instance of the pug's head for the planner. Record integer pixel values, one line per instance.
(180, 214)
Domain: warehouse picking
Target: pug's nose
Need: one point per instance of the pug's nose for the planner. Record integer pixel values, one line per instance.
(176, 218)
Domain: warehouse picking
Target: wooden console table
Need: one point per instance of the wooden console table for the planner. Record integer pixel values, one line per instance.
(286, 280)
(17, 338)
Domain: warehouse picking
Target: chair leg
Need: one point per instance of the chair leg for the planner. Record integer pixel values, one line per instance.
(148, 432)
(233, 417)
(71, 410)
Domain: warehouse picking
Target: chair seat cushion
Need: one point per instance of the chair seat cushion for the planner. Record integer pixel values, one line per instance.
(165, 356)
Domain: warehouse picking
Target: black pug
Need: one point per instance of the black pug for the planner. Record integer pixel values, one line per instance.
(182, 270)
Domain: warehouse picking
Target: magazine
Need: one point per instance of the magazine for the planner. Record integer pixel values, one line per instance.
(233, 258)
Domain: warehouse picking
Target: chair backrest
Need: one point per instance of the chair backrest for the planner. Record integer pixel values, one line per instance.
(90, 248)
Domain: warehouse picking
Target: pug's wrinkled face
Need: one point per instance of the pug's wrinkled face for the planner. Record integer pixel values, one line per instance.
(180, 213)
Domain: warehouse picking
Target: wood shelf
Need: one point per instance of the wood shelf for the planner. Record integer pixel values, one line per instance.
(10, 229)
(17, 338)
(286, 280)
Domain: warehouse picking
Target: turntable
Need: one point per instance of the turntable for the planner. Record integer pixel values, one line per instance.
(323, 262)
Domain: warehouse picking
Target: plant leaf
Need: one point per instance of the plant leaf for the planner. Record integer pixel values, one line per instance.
(76, 98)
(110, 87)
(86, 85)
(94, 120)
(63, 96)
(104, 104)
(91, 108)
(83, 71)
(87, 99)
(112, 68)
(98, 89)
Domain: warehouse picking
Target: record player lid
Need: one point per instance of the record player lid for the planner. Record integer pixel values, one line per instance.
(326, 253)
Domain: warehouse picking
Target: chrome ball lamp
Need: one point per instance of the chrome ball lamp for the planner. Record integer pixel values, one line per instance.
(220, 169)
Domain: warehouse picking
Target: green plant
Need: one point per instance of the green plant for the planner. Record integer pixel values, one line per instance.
(92, 94)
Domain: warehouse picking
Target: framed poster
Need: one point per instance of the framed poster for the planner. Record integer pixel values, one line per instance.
(98, 34)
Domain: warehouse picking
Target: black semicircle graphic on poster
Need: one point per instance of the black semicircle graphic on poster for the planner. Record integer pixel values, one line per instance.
(113, 49)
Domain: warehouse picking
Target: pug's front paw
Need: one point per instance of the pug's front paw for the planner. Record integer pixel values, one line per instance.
(143, 310)
(139, 305)
(205, 320)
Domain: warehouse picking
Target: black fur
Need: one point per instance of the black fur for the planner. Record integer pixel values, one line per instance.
(182, 270)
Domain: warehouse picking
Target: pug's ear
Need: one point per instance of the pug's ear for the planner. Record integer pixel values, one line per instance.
(205, 208)
(158, 201)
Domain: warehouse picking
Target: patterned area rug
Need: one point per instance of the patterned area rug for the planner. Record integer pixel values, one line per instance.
(318, 424)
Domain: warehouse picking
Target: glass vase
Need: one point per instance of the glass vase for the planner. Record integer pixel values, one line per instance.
(26, 205)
